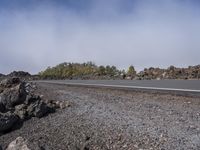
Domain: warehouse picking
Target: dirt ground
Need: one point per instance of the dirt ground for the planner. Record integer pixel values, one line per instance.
(112, 119)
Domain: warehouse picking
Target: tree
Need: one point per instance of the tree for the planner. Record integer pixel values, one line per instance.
(78, 70)
(101, 70)
(111, 70)
(131, 72)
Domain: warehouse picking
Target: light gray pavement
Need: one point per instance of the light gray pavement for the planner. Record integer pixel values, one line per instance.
(192, 86)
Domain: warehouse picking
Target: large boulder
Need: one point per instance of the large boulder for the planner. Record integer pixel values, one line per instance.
(7, 120)
(18, 144)
(33, 106)
(11, 97)
(38, 109)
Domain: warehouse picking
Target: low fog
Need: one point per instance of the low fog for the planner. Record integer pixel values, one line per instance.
(139, 33)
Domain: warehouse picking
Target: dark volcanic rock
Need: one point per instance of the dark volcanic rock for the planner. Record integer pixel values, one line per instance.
(12, 96)
(30, 98)
(7, 120)
(38, 109)
(19, 74)
(20, 110)
(192, 72)
(18, 102)
(9, 82)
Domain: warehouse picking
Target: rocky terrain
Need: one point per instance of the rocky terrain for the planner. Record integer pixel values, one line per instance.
(192, 72)
(110, 119)
(18, 103)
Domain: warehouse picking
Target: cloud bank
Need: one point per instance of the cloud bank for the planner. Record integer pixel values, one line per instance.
(122, 33)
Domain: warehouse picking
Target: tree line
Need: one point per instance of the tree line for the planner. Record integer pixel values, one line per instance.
(85, 71)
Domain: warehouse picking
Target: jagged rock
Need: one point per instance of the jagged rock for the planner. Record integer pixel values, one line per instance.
(19, 103)
(31, 98)
(9, 82)
(38, 109)
(19, 74)
(18, 144)
(20, 110)
(7, 121)
(12, 97)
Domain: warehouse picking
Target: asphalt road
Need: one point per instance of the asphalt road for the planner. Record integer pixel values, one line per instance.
(163, 85)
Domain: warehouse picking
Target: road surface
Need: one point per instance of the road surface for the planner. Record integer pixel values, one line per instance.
(192, 86)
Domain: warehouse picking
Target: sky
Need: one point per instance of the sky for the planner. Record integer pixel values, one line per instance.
(35, 34)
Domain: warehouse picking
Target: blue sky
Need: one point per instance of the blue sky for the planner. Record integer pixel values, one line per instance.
(35, 34)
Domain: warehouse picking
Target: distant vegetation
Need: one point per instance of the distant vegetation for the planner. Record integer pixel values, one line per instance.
(91, 71)
(82, 70)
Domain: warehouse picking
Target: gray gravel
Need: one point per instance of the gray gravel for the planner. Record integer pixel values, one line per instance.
(113, 119)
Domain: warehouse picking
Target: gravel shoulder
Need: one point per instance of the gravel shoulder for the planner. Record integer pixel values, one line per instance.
(112, 119)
